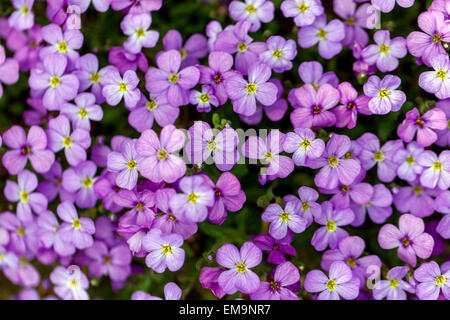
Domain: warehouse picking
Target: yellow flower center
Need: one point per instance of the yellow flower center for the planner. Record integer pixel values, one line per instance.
(331, 285)
(173, 78)
(418, 190)
(20, 231)
(278, 54)
(250, 9)
(348, 155)
(437, 166)
(441, 74)
(139, 206)
(24, 10)
(285, 217)
(162, 154)
(393, 283)
(251, 88)
(54, 81)
(351, 106)
(316, 110)
(140, 33)
(151, 105)
(123, 87)
(82, 113)
(166, 249)
(274, 286)
(305, 205)
(384, 49)
(420, 121)
(345, 188)
(23, 196)
(76, 224)
(437, 38)
(183, 53)
(240, 267)
(217, 192)
(268, 157)
(1, 257)
(383, 93)
(440, 280)
(406, 242)
(322, 34)
(95, 77)
(204, 97)
(87, 182)
(62, 47)
(305, 143)
(350, 21)
(333, 161)
(73, 283)
(211, 145)
(351, 262)
(193, 197)
(67, 142)
(302, 7)
(107, 259)
(242, 46)
(131, 164)
(378, 156)
(172, 217)
(26, 150)
(331, 226)
(23, 261)
(217, 78)
(410, 160)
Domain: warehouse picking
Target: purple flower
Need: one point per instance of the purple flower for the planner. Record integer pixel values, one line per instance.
(279, 53)
(87, 71)
(386, 52)
(74, 144)
(311, 72)
(436, 170)
(23, 17)
(268, 152)
(357, 192)
(384, 97)
(164, 251)
(209, 279)
(135, 26)
(415, 199)
(99, 5)
(371, 155)
(332, 219)
(387, 5)
(124, 60)
(432, 280)
(349, 251)
(80, 180)
(277, 247)
(126, 164)
(8, 259)
(82, 111)
(48, 234)
(135, 7)
(444, 135)
(70, 283)
(253, 11)
(22, 193)
(303, 11)
(64, 43)
(437, 81)
(22, 235)
(194, 48)
(192, 204)
(286, 274)
(115, 87)
(26, 47)
(378, 207)
(304, 145)
(409, 238)
(312, 110)
(25, 274)
(168, 80)
(347, 113)
(307, 205)
(114, 261)
(244, 94)
(336, 167)
(33, 147)
(171, 292)
(238, 275)
(329, 36)
(160, 163)
(141, 204)
(429, 44)
(203, 99)
(394, 287)
(284, 220)
(339, 283)
(75, 230)
(50, 81)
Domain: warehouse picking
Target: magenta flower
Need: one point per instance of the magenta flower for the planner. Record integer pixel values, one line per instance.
(285, 275)
(444, 135)
(378, 207)
(126, 163)
(32, 147)
(436, 170)
(424, 125)
(283, 221)
(209, 279)
(141, 204)
(238, 275)
(26, 47)
(22, 193)
(80, 180)
(192, 204)
(75, 230)
(384, 96)
(167, 79)
(311, 72)
(437, 81)
(160, 163)
(349, 251)
(114, 261)
(347, 113)
(409, 238)
(278, 248)
(328, 36)
(23, 17)
(429, 44)
(115, 87)
(74, 144)
(48, 234)
(386, 52)
(336, 167)
(70, 284)
(312, 110)
(339, 283)
(64, 43)
(194, 48)
(304, 12)
(55, 87)
(253, 11)
(432, 281)
(244, 94)
(332, 219)
(394, 287)
(83, 111)
(135, 26)
(164, 251)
